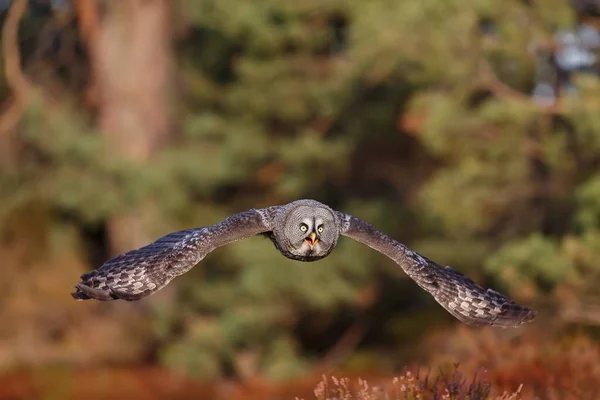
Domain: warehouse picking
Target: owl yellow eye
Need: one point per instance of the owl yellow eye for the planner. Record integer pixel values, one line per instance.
(320, 229)
(303, 227)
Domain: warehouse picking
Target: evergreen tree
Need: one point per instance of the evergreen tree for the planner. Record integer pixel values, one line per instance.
(454, 126)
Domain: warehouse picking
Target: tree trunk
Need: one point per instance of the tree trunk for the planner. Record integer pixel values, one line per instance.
(133, 68)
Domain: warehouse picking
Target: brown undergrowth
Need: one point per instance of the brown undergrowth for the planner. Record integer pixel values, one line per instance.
(494, 365)
(549, 366)
(411, 386)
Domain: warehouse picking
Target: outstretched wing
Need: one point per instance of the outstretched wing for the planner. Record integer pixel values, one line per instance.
(139, 273)
(458, 294)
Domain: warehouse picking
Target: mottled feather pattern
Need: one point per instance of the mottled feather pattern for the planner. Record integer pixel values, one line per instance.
(139, 273)
(473, 304)
(457, 293)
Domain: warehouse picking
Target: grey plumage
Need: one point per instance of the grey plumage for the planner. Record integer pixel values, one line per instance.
(139, 273)
(304, 230)
(457, 293)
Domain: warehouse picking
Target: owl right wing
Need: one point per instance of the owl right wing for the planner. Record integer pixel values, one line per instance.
(139, 273)
(457, 293)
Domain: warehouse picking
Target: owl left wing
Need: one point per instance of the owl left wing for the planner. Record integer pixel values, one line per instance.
(139, 273)
(463, 298)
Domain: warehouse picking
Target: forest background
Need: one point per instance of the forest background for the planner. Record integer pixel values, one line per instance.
(467, 129)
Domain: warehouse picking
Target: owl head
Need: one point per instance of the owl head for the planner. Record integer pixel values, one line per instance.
(306, 230)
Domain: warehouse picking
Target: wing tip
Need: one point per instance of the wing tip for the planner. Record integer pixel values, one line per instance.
(528, 316)
(514, 316)
(85, 292)
(79, 295)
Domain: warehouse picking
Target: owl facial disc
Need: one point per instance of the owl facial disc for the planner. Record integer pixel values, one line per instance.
(306, 231)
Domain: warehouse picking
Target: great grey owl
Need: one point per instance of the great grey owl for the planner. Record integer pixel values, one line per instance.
(303, 230)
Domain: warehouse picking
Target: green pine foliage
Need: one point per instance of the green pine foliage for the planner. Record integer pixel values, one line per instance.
(280, 100)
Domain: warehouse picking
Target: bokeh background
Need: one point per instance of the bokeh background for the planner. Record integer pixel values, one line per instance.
(467, 129)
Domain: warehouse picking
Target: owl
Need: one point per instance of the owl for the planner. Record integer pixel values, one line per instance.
(303, 230)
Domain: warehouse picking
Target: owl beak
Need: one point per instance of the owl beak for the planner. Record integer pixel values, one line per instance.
(312, 239)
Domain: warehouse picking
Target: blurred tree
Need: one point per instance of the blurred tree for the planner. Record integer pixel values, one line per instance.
(525, 171)
(132, 67)
(424, 118)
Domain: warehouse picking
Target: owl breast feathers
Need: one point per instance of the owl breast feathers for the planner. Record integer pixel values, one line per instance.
(304, 230)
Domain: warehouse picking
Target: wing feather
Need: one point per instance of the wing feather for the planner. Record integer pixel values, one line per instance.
(457, 293)
(141, 272)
